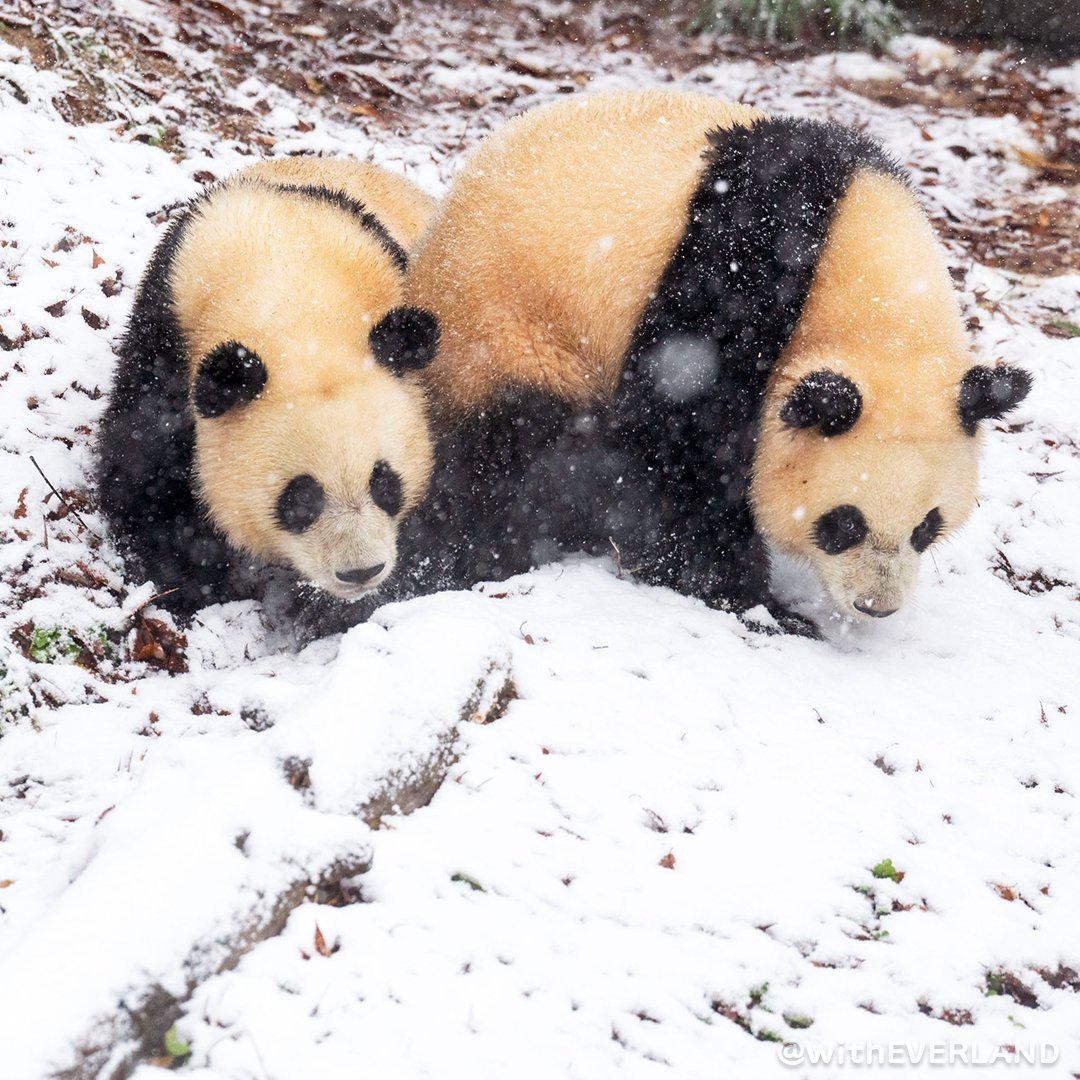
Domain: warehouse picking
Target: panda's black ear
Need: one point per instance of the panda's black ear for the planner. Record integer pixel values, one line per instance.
(823, 399)
(989, 393)
(229, 376)
(405, 339)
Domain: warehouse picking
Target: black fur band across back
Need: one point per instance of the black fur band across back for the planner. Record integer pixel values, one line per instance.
(731, 296)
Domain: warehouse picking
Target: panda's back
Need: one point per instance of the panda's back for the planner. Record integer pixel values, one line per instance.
(544, 254)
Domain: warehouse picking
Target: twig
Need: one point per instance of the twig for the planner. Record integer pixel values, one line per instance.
(63, 502)
(617, 557)
(146, 603)
(620, 570)
(386, 84)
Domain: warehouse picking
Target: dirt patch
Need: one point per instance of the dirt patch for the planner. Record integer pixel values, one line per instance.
(1032, 231)
(383, 65)
(1024, 236)
(114, 68)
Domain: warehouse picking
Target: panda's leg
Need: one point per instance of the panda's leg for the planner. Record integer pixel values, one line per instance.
(682, 511)
(784, 621)
(702, 545)
(506, 495)
(719, 557)
(735, 571)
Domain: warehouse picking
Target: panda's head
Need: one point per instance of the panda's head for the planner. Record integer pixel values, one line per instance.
(315, 465)
(860, 484)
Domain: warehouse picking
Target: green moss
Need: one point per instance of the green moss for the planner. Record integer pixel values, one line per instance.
(885, 869)
(156, 139)
(176, 1046)
(1066, 327)
(471, 882)
(48, 643)
(794, 1020)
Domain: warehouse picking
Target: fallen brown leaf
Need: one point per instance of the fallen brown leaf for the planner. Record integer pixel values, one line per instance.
(158, 645)
(1037, 161)
(320, 944)
(93, 320)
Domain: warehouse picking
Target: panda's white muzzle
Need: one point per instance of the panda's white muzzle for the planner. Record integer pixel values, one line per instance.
(355, 582)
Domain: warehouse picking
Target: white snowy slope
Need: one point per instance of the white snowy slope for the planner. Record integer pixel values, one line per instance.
(660, 860)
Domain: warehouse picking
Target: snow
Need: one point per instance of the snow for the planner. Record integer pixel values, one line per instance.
(673, 812)
(927, 53)
(1068, 78)
(683, 366)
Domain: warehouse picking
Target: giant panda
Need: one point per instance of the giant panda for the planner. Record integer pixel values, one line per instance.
(682, 328)
(263, 412)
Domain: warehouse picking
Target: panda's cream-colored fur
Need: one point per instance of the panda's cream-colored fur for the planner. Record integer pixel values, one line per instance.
(296, 281)
(883, 313)
(545, 251)
(400, 205)
(543, 255)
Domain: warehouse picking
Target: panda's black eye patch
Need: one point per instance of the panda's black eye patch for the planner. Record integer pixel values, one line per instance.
(229, 376)
(300, 504)
(841, 528)
(927, 531)
(385, 487)
(405, 339)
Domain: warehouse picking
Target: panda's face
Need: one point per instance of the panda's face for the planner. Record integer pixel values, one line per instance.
(868, 440)
(891, 480)
(864, 513)
(320, 483)
(316, 474)
(340, 533)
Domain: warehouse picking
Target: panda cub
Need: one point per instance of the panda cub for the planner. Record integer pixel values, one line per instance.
(263, 410)
(679, 326)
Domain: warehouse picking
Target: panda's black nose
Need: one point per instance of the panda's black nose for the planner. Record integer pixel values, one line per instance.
(869, 609)
(360, 576)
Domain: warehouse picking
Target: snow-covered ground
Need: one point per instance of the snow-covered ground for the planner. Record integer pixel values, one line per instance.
(683, 849)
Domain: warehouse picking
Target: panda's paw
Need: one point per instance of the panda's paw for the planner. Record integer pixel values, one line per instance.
(773, 618)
